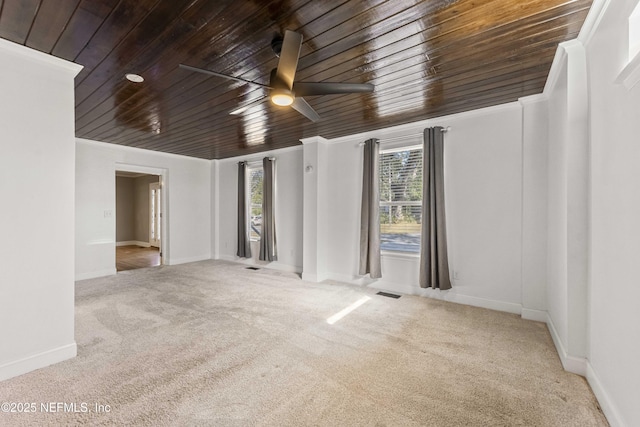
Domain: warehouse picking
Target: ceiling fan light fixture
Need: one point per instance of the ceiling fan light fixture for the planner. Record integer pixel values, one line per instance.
(282, 97)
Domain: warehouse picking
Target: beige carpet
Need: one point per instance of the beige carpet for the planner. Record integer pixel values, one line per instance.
(212, 343)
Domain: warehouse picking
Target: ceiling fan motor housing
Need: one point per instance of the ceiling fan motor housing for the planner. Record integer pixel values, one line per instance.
(280, 94)
(276, 45)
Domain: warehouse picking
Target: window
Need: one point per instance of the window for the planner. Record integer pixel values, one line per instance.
(255, 202)
(401, 199)
(630, 74)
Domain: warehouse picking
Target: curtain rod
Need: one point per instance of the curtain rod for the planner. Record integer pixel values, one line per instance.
(253, 161)
(398, 138)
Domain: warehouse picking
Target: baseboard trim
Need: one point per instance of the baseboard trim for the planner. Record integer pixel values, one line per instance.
(353, 280)
(37, 361)
(606, 403)
(450, 296)
(95, 274)
(535, 315)
(284, 267)
(576, 365)
(508, 307)
(309, 277)
(313, 278)
(174, 261)
(274, 265)
(134, 243)
(342, 278)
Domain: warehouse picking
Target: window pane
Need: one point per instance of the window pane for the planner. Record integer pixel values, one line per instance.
(400, 200)
(255, 198)
(401, 234)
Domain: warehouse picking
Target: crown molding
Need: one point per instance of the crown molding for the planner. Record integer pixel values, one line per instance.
(314, 139)
(259, 156)
(593, 20)
(413, 131)
(12, 48)
(111, 146)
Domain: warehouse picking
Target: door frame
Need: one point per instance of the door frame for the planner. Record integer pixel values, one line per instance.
(157, 186)
(164, 203)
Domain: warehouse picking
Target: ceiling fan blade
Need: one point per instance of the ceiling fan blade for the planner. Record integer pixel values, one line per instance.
(327, 88)
(289, 55)
(303, 107)
(248, 106)
(224, 76)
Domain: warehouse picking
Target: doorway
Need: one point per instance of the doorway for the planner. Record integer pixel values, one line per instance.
(139, 222)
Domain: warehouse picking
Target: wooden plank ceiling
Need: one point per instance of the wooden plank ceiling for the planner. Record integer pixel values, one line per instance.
(426, 59)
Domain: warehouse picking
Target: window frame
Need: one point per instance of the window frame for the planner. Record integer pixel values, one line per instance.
(252, 167)
(390, 149)
(629, 76)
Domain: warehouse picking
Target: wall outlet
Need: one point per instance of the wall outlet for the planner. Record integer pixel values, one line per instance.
(456, 275)
(108, 214)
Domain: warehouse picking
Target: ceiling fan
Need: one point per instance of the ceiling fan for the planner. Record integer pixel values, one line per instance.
(283, 90)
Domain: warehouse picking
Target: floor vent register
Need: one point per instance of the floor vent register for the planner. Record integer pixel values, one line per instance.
(387, 294)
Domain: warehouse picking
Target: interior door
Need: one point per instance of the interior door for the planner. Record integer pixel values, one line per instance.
(155, 214)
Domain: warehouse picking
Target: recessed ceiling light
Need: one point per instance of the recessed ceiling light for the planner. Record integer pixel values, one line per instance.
(134, 78)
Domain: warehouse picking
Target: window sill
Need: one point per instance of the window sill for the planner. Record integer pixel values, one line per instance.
(630, 74)
(408, 256)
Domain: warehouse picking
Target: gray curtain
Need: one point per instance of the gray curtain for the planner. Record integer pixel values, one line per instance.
(370, 212)
(434, 265)
(244, 247)
(268, 247)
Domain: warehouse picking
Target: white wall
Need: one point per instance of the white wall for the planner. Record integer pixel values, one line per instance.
(36, 219)
(614, 338)
(340, 178)
(215, 214)
(187, 193)
(288, 208)
(125, 208)
(314, 209)
(535, 121)
(557, 302)
(483, 180)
